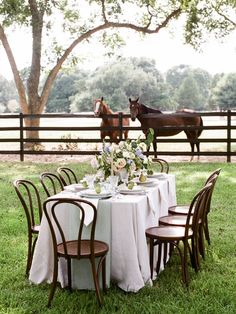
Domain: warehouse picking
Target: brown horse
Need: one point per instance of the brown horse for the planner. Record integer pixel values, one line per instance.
(153, 118)
(101, 110)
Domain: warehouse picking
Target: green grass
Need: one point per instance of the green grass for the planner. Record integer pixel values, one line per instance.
(212, 290)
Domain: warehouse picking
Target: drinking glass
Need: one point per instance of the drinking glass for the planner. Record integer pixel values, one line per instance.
(124, 176)
(90, 180)
(113, 180)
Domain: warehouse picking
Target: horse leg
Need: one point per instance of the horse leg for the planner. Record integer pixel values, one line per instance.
(189, 137)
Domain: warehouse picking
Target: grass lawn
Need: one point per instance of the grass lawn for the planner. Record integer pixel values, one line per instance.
(212, 290)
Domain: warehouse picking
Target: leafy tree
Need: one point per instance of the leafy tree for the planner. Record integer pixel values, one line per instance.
(64, 87)
(7, 93)
(78, 21)
(188, 94)
(177, 75)
(118, 81)
(224, 94)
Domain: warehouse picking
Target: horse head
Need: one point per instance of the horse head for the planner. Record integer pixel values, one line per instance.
(134, 108)
(97, 108)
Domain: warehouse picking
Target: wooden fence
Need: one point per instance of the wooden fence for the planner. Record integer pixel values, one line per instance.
(18, 139)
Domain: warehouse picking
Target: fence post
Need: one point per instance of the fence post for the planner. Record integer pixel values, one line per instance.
(120, 125)
(228, 135)
(21, 138)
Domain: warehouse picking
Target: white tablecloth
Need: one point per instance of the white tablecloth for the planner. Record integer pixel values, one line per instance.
(121, 222)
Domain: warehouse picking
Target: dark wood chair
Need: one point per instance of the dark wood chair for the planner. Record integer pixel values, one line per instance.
(183, 209)
(30, 200)
(51, 183)
(162, 163)
(67, 175)
(175, 235)
(180, 220)
(77, 247)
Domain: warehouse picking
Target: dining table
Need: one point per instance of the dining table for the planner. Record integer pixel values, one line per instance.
(121, 222)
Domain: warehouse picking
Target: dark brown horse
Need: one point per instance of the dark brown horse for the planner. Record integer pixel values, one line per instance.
(153, 118)
(101, 110)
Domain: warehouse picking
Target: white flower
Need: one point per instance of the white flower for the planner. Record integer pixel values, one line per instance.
(142, 146)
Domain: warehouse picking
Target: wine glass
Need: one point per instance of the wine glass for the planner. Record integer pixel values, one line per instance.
(90, 180)
(113, 180)
(124, 176)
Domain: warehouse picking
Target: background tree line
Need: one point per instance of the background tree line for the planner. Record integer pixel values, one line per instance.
(181, 86)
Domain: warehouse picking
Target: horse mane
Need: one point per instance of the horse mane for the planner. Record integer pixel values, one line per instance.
(149, 110)
(108, 109)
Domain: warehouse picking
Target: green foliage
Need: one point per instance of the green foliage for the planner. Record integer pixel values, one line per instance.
(122, 79)
(189, 86)
(64, 87)
(212, 290)
(7, 93)
(224, 93)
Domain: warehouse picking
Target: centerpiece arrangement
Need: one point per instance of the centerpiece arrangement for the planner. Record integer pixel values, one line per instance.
(126, 156)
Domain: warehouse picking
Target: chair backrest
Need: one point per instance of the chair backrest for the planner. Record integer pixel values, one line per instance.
(212, 178)
(67, 175)
(197, 208)
(30, 199)
(51, 183)
(164, 165)
(56, 220)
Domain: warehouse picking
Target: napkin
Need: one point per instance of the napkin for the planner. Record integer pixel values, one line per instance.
(88, 210)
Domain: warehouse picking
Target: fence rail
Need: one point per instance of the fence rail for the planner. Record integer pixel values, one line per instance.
(18, 134)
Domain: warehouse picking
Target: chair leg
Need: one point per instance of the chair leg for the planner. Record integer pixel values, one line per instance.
(104, 273)
(184, 264)
(206, 231)
(151, 248)
(54, 282)
(69, 274)
(95, 279)
(29, 255)
(159, 258)
(201, 242)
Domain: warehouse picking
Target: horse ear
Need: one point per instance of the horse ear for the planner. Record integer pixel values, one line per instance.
(129, 99)
(137, 99)
(102, 98)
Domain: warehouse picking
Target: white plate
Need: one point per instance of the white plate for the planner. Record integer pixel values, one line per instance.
(148, 182)
(132, 192)
(92, 194)
(158, 175)
(74, 187)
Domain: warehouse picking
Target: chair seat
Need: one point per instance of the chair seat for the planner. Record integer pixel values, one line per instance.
(178, 210)
(100, 248)
(175, 220)
(167, 233)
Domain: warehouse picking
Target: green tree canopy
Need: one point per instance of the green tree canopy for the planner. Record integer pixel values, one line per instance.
(122, 79)
(224, 94)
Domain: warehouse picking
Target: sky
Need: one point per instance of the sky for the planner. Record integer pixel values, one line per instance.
(167, 49)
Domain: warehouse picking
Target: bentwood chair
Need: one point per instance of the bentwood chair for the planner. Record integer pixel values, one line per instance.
(51, 183)
(183, 209)
(175, 235)
(180, 220)
(162, 163)
(67, 175)
(75, 247)
(30, 200)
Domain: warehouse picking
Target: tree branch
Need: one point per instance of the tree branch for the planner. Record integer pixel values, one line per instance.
(18, 81)
(225, 17)
(144, 29)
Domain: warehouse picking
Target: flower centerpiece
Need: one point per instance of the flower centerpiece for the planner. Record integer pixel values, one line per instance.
(128, 155)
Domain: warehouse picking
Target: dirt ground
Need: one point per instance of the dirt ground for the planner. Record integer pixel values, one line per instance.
(75, 159)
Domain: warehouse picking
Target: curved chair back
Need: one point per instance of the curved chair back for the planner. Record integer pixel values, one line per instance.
(164, 165)
(51, 183)
(67, 175)
(75, 246)
(29, 197)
